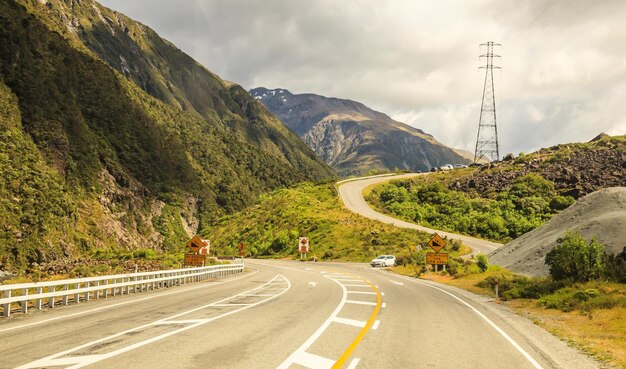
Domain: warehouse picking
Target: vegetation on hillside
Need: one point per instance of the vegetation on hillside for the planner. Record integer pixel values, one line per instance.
(507, 214)
(272, 228)
(91, 160)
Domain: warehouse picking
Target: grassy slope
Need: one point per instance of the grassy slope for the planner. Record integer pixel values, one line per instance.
(272, 227)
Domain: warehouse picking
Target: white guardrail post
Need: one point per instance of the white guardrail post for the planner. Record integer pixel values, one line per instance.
(36, 295)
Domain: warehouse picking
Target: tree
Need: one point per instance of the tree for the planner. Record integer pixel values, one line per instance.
(575, 259)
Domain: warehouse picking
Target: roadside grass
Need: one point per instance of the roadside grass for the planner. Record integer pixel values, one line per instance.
(589, 316)
(271, 228)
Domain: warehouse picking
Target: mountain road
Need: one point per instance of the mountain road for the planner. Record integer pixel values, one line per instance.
(351, 193)
(285, 314)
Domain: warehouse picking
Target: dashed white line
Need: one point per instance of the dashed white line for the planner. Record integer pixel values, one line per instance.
(360, 302)
(312, 361)
(352, 322)
(353, 363)
(376, 324)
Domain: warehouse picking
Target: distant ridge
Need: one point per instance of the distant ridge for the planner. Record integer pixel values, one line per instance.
(354, 139)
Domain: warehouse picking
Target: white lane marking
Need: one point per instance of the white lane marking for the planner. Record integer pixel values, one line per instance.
(312, 284)
(376, 324)
(398, 283)
(308, 268)
(362, 292)
(313, 361)
(348, 280)
(353, 363)
(162, 294)
(301, 351)
(382, 294)
(191, 321)
(492, 324)
(384, 305)
(81, 361)
(323, 272)
(356, 285)
(352, 322)
(360, 302)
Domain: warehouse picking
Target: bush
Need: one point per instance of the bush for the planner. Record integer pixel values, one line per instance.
(574, 259)
(482, 262)
(453, 267)
(615, 266)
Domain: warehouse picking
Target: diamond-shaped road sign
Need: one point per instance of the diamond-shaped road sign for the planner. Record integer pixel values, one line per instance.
(437, 243)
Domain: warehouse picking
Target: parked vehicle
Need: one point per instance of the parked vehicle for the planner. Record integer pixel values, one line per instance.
(446, 167)
(384, 261)
(460, 166)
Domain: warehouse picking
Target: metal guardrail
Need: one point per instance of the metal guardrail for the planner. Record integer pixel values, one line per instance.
(50, 293)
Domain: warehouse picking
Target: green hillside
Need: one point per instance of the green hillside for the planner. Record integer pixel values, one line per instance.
(92, 158)
(272, 227)
(507, 199)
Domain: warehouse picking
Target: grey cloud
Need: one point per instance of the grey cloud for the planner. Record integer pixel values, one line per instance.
(417, 60)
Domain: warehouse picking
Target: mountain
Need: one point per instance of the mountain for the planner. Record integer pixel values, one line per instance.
(352, 138)
(111, 137)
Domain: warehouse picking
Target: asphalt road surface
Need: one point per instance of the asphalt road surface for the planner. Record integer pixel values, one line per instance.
(285, 314)
(351, 193)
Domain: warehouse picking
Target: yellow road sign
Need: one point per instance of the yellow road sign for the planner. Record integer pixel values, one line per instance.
(194, 260)
(195, 244)
(436, 258)
(437, 243)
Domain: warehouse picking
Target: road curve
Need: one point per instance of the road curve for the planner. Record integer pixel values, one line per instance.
(351, 193)
(286, 314)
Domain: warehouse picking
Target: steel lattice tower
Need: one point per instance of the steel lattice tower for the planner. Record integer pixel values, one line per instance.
(487, 140)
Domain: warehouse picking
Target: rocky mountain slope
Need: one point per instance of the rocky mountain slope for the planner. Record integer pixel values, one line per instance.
(113, 138)
(576, 169)
(352, 138)
(601, 214)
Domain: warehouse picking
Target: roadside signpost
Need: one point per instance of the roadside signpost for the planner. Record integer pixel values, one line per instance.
(437, 243)
(195, 260)
(303, 246)
(437, 258)
(242, 249)
(199, 249)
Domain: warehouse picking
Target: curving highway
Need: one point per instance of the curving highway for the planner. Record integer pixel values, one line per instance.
(351, 193)
(286, 314)
(289, 314)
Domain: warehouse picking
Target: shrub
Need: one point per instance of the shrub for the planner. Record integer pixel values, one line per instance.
(482, 262)
(453, 267)
(615, 266)
(576, 260)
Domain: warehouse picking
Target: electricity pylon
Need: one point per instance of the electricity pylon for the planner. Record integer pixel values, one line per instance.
(487, 140)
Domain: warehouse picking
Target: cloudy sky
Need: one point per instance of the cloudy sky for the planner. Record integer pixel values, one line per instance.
(563, 74)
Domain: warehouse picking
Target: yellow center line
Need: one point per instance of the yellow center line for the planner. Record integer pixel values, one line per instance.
(346, 354)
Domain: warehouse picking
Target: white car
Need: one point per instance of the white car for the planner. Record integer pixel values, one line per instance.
(460, 166)
(384, 261)
(446, 167)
